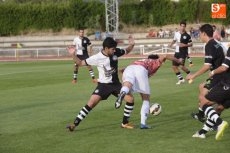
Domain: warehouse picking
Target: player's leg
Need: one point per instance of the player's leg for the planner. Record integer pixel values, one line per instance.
(124, 91)
(75, 73)
(129, 105)
(218, 93)
(178, 74)
(185, 69)
(145, 110)
(128, 111)
(175, 67)
(202, 92)
(190, 61)
(128, 78)
(182, 65)
(102, 92)
(93, 101)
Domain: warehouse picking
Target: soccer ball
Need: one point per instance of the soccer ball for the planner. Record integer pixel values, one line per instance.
(155, 109)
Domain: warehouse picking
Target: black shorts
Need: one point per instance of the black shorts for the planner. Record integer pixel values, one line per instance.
(104, 90)
(83, 57)
(179, 55)
(220, 94)
(211, 82)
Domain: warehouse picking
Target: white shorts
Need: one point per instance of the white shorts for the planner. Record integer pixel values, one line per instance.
(137, 75)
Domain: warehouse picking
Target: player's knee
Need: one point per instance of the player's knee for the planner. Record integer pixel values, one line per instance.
(219, 109)
(129, 98)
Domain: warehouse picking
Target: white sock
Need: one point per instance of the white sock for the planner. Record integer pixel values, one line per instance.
(125, 89)
(144, 111)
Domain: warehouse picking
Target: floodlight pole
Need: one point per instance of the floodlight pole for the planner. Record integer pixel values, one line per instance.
(112, 24)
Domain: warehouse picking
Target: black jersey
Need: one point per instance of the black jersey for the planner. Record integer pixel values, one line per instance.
(226, 63)
(185, 38)
(214, 56)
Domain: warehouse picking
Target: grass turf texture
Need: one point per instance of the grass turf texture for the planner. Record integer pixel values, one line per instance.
(38, 101)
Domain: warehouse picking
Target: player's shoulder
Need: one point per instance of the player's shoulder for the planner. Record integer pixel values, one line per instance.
(76, 38)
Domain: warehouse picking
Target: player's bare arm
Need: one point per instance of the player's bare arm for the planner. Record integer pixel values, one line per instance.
(185, 45)
(131, 44)
(201, 71)
(72, 51)
(90, 52)
(173, 42)
(171, 58)
(219, 70)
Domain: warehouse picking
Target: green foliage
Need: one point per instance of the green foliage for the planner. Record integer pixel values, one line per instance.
(18, 16)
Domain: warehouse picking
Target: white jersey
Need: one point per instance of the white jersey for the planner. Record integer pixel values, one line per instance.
(78, 43)
(176, 38)
(107, 66)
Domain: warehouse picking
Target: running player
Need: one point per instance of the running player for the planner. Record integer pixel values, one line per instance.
(219, 94)
(214, 56)
(81, 44)
(183, 41)
(108, 81)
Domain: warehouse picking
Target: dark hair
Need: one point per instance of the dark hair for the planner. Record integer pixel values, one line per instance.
(109, 42)
(208, 29)
(81, 28)
(183, 22)
(153, 56)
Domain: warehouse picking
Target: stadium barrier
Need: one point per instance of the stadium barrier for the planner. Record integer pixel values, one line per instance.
(60, 52)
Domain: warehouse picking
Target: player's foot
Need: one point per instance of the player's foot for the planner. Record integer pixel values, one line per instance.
(127, 126)
(198, 117)
(74, 81)
(197, 135)
(180, 82)
(71, 127)
(220, 130)
(191, 65)
(94, 80)
(119, 100)
(144, 126)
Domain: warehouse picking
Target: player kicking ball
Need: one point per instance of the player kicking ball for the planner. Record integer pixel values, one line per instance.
(135, 80)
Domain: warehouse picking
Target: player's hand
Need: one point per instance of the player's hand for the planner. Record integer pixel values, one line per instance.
(71, 49)
(189, 77)
(182, 45)
(131, 40)
(180, 60)
(211, 74)
(95, 81)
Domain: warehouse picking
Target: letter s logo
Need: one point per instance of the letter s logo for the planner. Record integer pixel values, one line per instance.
(215, 7)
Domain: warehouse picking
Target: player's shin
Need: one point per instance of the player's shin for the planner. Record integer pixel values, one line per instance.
(144, 114)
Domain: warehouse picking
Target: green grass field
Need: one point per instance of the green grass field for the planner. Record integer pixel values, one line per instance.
(38, 101)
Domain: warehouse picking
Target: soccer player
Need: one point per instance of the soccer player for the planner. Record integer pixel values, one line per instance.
(219, 94)
(108, 81)
(183, 41)
(135, 79)
(81, 44)
(214, 56)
